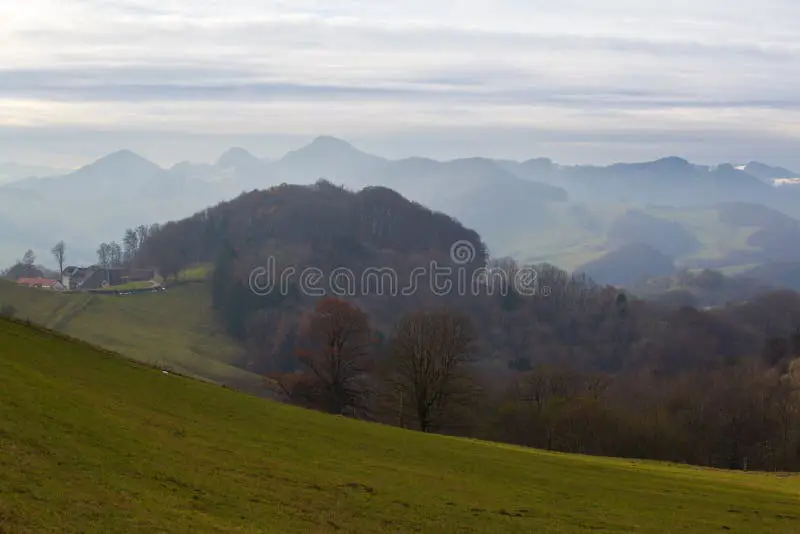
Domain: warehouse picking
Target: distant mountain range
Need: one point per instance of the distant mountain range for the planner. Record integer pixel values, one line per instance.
(767, 173)
(12, 172)
(535, 210)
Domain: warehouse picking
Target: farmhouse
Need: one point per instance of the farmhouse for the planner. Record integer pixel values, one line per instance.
(95, 277)
(74, 278)
(41, 283)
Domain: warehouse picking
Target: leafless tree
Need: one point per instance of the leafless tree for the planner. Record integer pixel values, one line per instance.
(114, 254)
(338, 343)
(104, 255)
(59, 253)
(130, 245)
(29, 259)
(430, 349)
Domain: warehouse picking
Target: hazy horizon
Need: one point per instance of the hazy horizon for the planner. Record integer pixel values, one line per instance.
(275, 147)
(573, 81)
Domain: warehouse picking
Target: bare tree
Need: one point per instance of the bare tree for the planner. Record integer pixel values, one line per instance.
(104, 255)
(59, 253)
(131, 245)
(339, 342)
(29, 259)
(142, 233)
(429, 349)
(115, 254)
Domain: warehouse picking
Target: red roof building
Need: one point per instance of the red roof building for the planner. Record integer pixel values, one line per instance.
(44, 283)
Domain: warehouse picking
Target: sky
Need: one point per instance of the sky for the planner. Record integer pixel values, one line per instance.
(578, 81)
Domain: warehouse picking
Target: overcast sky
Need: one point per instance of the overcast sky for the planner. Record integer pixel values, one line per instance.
(575, 80)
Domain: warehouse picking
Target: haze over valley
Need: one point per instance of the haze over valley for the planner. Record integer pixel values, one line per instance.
(729, 216)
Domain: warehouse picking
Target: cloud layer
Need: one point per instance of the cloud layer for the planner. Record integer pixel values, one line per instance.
(569, 74)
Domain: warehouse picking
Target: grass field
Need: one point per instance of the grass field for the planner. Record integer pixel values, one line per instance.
(130, 286)
(565, 240)
(717, 238)
(173, 329)
(570, 242)
(90, 442)
(196, 273)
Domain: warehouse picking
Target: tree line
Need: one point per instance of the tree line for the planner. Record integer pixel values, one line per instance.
(108, 254)
(428, 374)
(115, 255)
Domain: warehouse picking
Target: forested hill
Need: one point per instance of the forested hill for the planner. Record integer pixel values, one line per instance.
(345, 224)
(321, 228)
(327, 228)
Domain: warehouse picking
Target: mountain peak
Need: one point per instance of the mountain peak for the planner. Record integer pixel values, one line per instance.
(667, 164)
(326, 145)
(672, 161)
(766, 172)
(237, 157)
(327, 141)
(122, 158)
(120, 165)
(329, 151)
(123, 154)
(539, 164)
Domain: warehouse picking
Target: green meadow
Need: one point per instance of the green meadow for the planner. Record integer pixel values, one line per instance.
(94, 442)
(174, 329)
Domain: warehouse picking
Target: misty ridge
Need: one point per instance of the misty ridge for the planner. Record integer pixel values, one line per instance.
(619, 223)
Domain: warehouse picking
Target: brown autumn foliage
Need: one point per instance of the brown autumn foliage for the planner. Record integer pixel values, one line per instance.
(334, 358)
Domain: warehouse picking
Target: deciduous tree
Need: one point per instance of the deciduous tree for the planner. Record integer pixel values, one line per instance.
(29, 258)
(59, 253)
(430, 349)
(337, 342)
(104, 255)
(130, 245)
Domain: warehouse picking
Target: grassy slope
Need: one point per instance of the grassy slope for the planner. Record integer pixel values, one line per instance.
(569, 245)
(130, 285)
(563, 241)
(717, 238)
(173, 329)
(90, 442)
